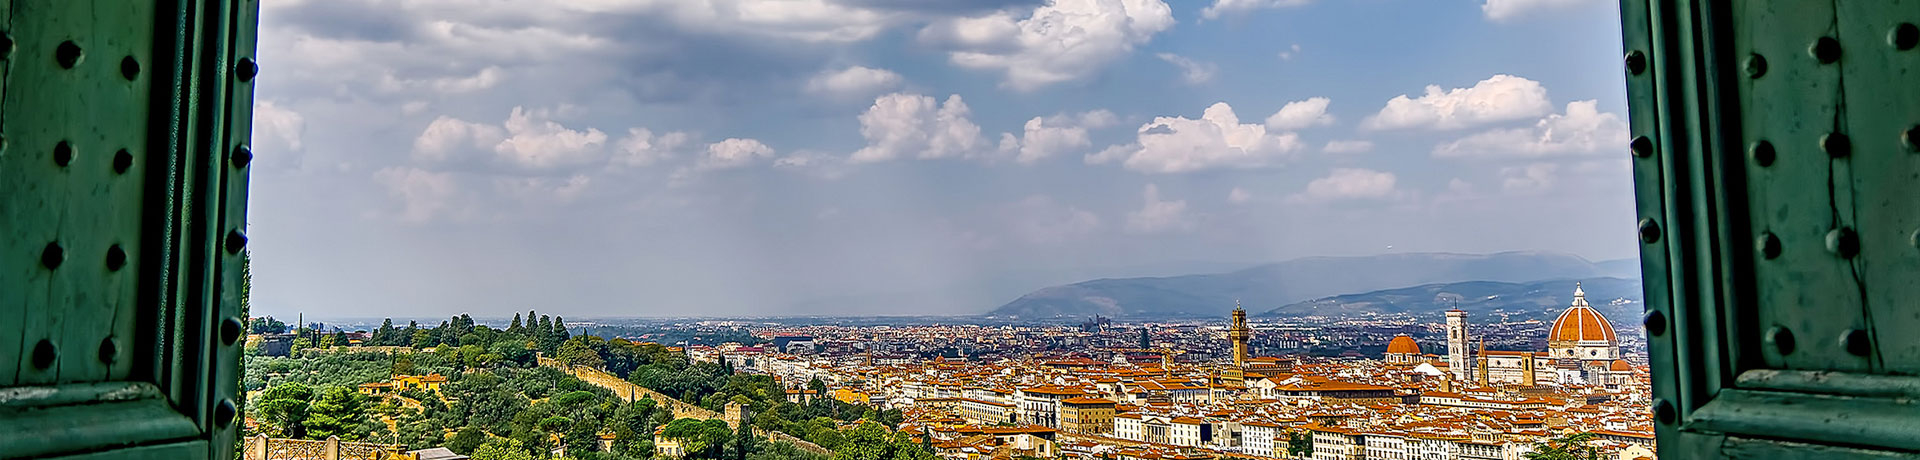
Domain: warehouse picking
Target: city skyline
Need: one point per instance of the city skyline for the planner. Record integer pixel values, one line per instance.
(1086, 391)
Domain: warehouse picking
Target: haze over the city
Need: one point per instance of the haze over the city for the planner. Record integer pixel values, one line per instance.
(678, 157)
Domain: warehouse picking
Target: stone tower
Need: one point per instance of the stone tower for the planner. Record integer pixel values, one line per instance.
(1457, 345)
(1239, 334)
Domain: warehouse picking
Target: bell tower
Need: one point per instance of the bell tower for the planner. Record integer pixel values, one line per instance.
(1239, 334)
(1457, 345)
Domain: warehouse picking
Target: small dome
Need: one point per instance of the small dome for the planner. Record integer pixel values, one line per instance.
(1403, 344)
(1620, 365)
(1581, 323)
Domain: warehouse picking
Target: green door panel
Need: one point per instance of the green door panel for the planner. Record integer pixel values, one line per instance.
(123, 217)
(1779, 193)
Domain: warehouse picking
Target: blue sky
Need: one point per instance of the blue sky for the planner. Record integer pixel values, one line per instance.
(748, 157)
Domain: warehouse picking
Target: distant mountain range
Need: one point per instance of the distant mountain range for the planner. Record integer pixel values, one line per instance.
(1285, 284)
(1617, 298)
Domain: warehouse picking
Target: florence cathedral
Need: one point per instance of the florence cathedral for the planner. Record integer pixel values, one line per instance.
(1582, 349)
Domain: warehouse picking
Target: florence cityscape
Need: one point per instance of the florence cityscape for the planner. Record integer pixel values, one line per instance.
(964, 230)
(1560, 380)
(959, 229)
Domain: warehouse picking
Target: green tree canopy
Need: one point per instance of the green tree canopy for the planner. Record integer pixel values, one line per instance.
(466, 441)
(700, 438)
(576, 352)
(338, 411)
(283, 409)
(1570, 447)
(502, 449)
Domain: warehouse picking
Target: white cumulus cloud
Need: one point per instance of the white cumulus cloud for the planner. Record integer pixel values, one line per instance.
(831, 21)
(855, 81)
(1500, 98)
(1044, 137)
(1159, 216)
(1230, 7)
(276, 127)
(1060, 41)
(528, 140)
(1507, 10)
(1348, 184)
(1301, 114)
(642, 147)
(1194, 72)
(1216, 140)
(1581, 129)
(535, 141)
(447, 138)
(734, 153)
(1533, 178)
(900, 125)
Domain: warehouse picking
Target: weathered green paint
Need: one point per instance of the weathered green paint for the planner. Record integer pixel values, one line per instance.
(1881, 94)
(85, 206)
(1784, 266)
(116, 156)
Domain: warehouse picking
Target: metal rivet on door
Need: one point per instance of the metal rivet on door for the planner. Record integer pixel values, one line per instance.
(121, 161)
(62, 154)
(1641, 147)
(109, 350)
(1856, 342)
(1836, 145)
(116, 258)
(1782, 340)
(52, 255)
(1825, 49)
(67, 54)
(1655, 323)
(1843, 242)
(1756, 65)
(1904, 36)
(1768, 245)
(1762, 153)
(129, 68)
(241, 156)
(44, 353)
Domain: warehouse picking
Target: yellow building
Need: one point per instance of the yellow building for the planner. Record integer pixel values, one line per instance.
(429, 382)
(399, 383)
(852, 397)
(665, 447)
(1086, 415)
(376, 389)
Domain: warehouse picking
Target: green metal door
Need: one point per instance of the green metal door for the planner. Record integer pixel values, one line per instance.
(1778, 187)
(122, 198)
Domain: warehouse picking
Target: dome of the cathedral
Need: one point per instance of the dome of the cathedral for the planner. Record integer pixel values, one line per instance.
(1403, 344)
(1620, 365)
(1581, 323)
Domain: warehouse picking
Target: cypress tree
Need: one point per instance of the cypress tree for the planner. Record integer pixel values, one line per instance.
(384, 335)
(543, 336)
(560, 333)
